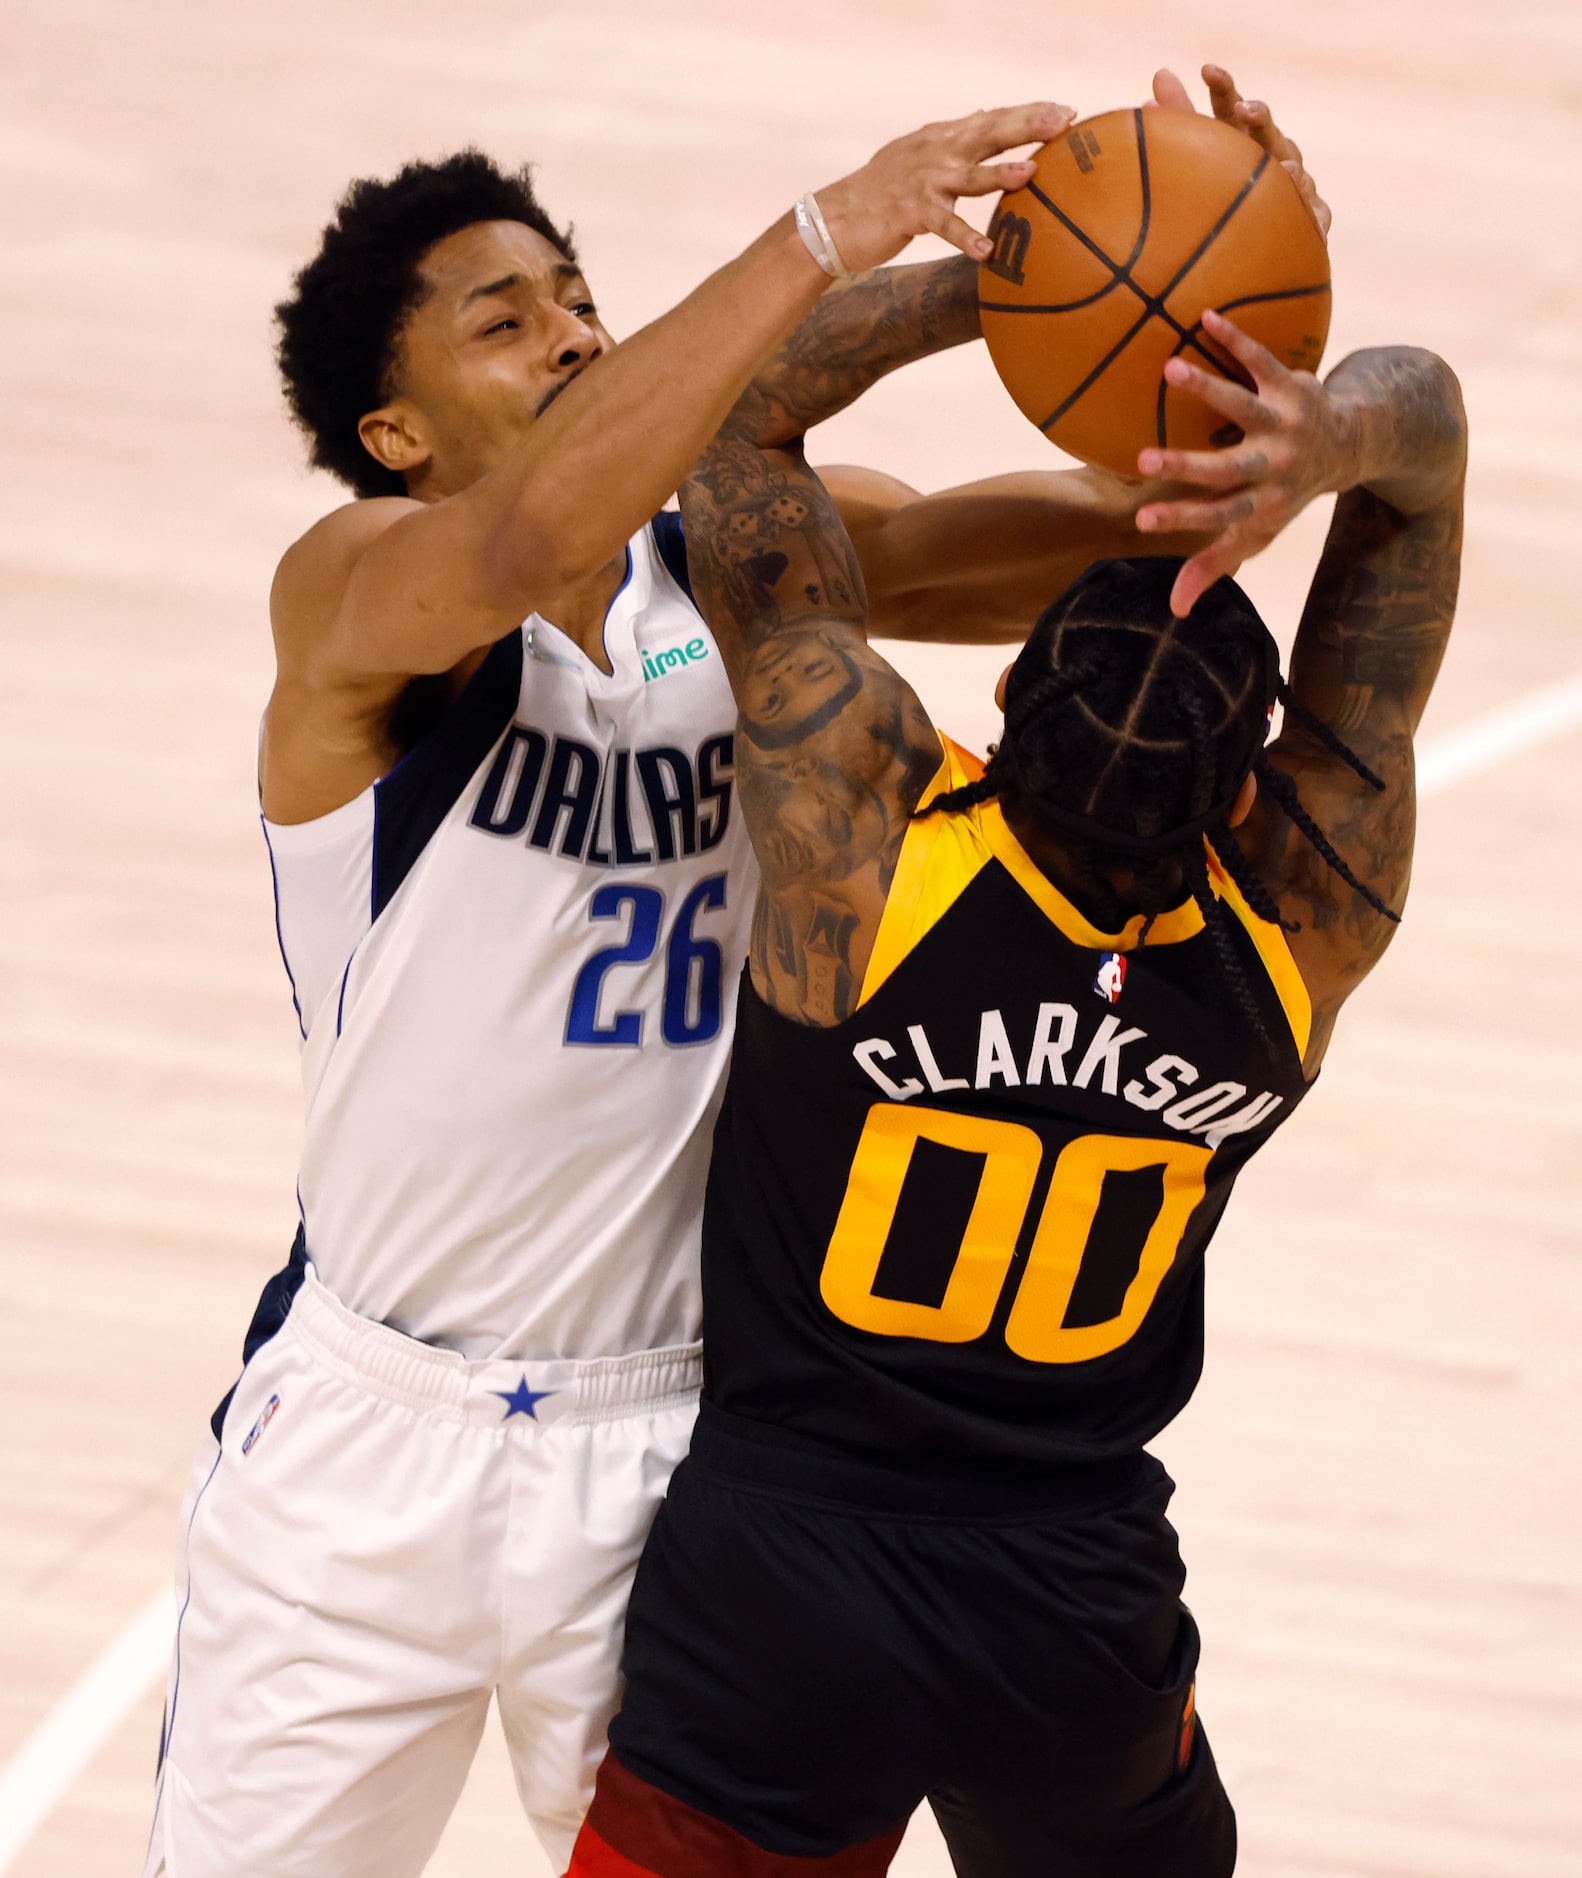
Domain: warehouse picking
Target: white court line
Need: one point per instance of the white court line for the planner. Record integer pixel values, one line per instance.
(73, 1732)
(1506, 731)
(50, 1760)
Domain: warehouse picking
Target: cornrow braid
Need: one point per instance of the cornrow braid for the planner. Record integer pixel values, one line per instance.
(1216, 918)
(1311, 721)
(1201, 741)
(1040, 696)
(968, 796)
(1248, 881)
(1217, 924)
(1281, 787)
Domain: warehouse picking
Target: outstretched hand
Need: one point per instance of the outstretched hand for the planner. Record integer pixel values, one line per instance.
(1251, 117)
(1296, 444)
(911, 186)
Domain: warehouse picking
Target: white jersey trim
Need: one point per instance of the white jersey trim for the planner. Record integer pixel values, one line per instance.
(326, 910)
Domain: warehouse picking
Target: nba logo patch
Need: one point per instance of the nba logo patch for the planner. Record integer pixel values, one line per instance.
(1112, 976)
(261, 1424)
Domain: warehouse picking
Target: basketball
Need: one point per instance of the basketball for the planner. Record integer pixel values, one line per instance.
(1134, 224)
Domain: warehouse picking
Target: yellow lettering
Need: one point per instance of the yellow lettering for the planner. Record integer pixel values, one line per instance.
(1011, 1155)
(1036, 1329)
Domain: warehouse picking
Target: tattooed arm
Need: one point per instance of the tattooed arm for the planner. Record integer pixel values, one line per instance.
(855, 335)
(833, 749)
(1387, 430)
(1372, 636)
(974, 564)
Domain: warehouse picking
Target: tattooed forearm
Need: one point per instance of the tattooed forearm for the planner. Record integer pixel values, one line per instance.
(1372, 636)
(765, 545)
(1379, 613)
(852, 338)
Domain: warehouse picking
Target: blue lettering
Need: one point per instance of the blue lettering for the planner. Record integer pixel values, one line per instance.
(673, 810)
(716, 769)
(577, 798)
(584, 799)
(486, 814)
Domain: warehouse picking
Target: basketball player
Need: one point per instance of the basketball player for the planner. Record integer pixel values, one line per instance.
(513, 946)
(512, 893)
(1006, 1038)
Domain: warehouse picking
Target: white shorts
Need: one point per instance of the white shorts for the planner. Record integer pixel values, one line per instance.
(386, 1536)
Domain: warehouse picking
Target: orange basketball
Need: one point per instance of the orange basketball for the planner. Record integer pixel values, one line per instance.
(1104, 264)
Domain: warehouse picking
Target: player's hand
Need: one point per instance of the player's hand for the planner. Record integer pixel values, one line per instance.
(1255, 120)
(1296, 444)
(911, 186)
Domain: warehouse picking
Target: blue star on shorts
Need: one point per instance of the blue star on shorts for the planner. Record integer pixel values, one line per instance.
(521, 1400)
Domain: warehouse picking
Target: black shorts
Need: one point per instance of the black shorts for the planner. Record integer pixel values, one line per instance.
(803, 1670)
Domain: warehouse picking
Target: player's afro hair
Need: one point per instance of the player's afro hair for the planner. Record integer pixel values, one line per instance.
(339, 330)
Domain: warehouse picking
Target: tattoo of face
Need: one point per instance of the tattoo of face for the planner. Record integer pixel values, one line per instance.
(834, 750)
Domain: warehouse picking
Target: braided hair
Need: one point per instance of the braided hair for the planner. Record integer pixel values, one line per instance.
(1129, 734)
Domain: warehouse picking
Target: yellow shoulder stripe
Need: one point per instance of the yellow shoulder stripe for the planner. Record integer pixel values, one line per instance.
(1181, 922)
(940, 858)
(1275, 952)
(942, 855)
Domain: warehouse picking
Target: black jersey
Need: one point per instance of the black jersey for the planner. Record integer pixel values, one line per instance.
(964, 1229)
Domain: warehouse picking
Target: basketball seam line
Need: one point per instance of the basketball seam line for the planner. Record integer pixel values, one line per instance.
(1153, 304)
(1275, 293)
(1247, 299)
(1122, 271)
(1074, 306)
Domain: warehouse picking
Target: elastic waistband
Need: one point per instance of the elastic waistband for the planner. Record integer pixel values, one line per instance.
(526, 1394)
(752, 1454)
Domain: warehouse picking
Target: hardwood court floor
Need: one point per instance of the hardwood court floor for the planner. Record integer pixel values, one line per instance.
(1378, 1478)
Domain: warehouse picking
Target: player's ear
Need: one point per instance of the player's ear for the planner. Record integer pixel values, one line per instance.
(999, 689)
(396, 437)
(1246, 795)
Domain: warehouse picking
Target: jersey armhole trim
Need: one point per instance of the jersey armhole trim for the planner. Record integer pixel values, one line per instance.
(280, 937)
(670, 539)
(1275, 952)
(416, 796)
(929, 877)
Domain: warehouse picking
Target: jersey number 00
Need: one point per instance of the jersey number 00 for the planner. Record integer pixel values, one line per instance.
(1012, 1155)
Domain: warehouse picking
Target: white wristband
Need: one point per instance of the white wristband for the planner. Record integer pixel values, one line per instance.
(817, 239)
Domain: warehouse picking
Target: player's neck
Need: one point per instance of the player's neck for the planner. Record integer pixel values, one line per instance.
(1056, 865)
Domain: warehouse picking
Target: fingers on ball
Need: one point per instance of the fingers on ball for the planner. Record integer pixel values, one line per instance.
(1211, 469)
(1225, 395)
(1242, 347)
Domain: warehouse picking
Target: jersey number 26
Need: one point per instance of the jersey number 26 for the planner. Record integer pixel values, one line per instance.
(693, 968)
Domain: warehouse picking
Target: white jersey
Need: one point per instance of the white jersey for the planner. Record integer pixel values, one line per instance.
(515, 962)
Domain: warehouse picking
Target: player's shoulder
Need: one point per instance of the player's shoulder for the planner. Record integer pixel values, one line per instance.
(312, 575)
